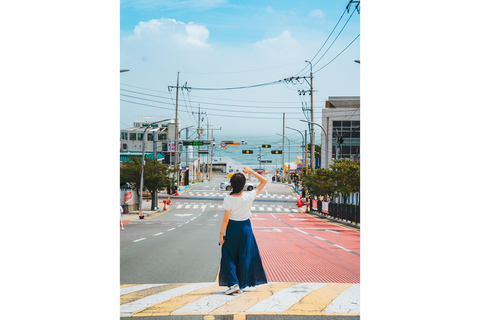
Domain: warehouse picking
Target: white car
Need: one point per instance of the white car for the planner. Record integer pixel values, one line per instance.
(225, 185)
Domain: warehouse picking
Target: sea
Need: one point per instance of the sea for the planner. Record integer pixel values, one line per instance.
(254, 144)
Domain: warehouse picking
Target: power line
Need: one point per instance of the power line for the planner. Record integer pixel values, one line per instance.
(244, 87)
(338, 54)
(212, 114)
(211, 103)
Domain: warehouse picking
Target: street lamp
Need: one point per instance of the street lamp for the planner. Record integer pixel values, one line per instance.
(124, 70)
(143, 160)
(288, 151)
(326, 140)
(186, 152)
(304, 142)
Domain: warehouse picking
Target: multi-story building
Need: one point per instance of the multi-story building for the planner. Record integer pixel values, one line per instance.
(341, 121)
(131, 139)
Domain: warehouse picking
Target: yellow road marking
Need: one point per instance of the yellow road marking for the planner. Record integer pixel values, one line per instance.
(318, 300)
(126, 285)
(239, 317)
(167, 307)
(159, 214)
(249, 299)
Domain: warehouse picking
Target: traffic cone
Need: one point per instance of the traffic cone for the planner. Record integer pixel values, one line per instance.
(298, 202)
(141, 215)
(176, 192)
(164, 204)
(168, 200)
(306, 210)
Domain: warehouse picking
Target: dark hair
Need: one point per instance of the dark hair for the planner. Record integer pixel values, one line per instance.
(237, 181)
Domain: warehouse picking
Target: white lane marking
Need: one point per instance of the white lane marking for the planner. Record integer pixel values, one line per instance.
(139, 239)
(187, 206)
(278, 209)
(171, 229)
(285, 298)
(179, 206)
(195, 206)
(157, 234)
(138, 288)
(207, 304)
(146, 302)
(269, 209)
(347, 302)
(203, 207)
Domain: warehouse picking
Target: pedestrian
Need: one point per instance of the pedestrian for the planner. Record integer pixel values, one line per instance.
(121, 218)
(241, 264)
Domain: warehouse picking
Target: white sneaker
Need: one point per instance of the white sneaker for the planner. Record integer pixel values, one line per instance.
(232, 289)
(123, 228)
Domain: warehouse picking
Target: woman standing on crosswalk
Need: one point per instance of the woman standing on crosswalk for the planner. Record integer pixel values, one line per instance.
(241, 264)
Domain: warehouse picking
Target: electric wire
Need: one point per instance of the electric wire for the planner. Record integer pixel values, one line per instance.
(338, 54)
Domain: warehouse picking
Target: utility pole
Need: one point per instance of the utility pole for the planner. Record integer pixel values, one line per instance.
(198, 138)
(312, 135)
(175, 165)
(283, 147)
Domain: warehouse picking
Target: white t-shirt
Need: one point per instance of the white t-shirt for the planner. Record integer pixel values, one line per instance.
(240, 206)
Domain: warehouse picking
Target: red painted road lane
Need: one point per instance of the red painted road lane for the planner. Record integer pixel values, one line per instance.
(346, 238)
(292, 256)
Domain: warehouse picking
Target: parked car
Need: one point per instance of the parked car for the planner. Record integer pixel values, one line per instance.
(225, 185)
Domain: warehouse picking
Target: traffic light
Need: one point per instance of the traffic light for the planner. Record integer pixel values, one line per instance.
(276, 151)
(266, 145)
(247, 151)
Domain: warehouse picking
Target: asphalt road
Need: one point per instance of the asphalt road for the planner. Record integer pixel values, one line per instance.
(177, 251)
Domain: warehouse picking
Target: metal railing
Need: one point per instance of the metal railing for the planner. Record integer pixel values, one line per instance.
(339, 211)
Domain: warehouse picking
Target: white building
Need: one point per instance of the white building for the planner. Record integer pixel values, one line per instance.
(131, 138)
(341, 121)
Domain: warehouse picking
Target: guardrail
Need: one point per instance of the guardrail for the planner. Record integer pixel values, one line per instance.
(338, 211)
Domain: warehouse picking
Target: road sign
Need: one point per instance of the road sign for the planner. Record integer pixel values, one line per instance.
(223, 144)
(195, 142)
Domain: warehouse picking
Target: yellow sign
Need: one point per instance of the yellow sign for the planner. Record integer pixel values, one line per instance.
(229, 175)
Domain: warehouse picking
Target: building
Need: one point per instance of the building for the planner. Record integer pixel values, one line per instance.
(341, 122)
(131, 139)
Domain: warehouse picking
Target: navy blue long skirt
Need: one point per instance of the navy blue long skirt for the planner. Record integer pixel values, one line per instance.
(241, 262)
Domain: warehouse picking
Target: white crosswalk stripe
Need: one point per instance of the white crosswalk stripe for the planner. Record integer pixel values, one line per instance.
(131, 289)
(347, 302)
(281, 301)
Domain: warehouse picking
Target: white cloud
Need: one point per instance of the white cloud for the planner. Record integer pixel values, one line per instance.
(317, 14)
(166, 30)
(283, 45)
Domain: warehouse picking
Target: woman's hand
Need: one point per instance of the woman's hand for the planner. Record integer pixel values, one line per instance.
(221, 241)
(247, 170)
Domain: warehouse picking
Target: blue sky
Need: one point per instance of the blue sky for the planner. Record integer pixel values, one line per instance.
(220, 43)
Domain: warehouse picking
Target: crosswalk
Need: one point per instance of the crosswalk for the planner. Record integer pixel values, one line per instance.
(279, 208)
(224, 194)
(208, 298)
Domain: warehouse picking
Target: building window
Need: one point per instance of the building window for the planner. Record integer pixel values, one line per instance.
(140, 136)
(133, 136)
(150, 137)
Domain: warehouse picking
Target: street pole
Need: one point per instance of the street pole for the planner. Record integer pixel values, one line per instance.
(326, 140)
(312, 136)
(283, 147)
(303, 146)
(175, 165)
(143, 160)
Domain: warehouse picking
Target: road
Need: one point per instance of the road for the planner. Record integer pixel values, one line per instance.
(169, 262)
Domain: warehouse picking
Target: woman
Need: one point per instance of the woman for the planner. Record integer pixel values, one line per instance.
(241, 265)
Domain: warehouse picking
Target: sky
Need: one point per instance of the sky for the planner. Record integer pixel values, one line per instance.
(221, 44)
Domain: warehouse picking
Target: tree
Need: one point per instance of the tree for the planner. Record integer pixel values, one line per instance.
(156, 176)
(320, 183)
(347, 176)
